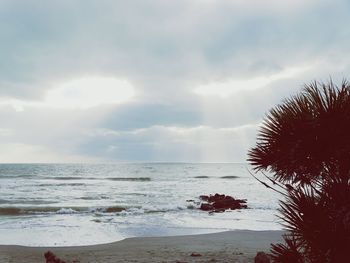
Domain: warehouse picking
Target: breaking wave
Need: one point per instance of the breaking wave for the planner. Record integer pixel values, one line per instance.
(13, 211)
(22, 211)
(130, 179)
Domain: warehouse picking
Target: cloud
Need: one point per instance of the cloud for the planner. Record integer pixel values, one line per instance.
(170, 143)
(229, 87)
(80, 93)
(28, 153)
(156, 45)
(241, 58)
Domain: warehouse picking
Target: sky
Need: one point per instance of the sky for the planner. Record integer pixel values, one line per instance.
(157, 81)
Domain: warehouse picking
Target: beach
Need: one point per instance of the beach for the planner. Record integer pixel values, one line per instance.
(229, 246)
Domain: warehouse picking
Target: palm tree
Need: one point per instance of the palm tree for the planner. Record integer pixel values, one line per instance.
(305, 143)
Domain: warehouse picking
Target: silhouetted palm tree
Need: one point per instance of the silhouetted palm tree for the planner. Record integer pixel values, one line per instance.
(305, 144)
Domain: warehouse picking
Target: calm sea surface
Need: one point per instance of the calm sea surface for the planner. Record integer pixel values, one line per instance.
(77, 204)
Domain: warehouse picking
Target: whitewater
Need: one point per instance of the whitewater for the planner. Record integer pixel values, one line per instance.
(85, 204)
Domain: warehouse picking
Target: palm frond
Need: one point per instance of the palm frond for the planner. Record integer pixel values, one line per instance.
(304, 134)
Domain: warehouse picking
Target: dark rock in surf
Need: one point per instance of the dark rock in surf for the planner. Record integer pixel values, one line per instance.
(220, 203)
(114, 209)
(207, 207)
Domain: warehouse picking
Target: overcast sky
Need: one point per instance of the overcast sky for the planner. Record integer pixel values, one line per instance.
(184, 81)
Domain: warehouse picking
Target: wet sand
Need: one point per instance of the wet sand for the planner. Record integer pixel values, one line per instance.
(231, 246)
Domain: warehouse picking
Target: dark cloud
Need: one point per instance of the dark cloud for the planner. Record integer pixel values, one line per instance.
(152, 42)
(141, 115)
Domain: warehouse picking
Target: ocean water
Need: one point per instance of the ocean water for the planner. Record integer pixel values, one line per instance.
(83, 204)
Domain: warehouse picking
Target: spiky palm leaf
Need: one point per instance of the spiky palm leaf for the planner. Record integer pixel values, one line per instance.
(290, 252)
(318, 224)
(307, 135)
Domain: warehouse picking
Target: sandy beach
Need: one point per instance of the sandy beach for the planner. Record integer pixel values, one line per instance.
(231, 246)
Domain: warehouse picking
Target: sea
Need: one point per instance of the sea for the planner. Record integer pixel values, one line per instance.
(85, 204)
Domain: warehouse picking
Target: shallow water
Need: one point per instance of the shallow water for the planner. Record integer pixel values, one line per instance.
(81, 204)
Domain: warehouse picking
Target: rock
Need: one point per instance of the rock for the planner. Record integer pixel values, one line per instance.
(243, 201)
(114, 209)
(206, 207)
(194, 254)
(220, 203)
(262, 257)
(51, 258)
(215, 198)
(225, 204)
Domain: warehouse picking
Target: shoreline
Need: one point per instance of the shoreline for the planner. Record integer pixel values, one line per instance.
(238, 245)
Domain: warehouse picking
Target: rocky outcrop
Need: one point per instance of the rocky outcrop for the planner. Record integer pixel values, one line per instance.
(221, 203)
